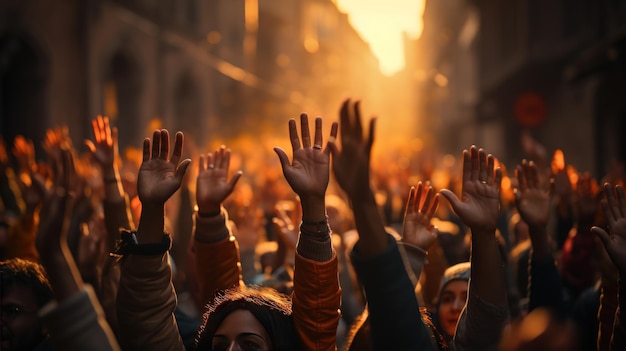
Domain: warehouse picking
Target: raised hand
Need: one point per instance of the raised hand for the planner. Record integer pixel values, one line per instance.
(351, 164)
(309, 171)
(562, 184)
(533, 202)
(213, 185)
(51, 233)
(478, 207)
(417, 229)
(105, 147)
(159, 175)
(614, 208)
(24, 152)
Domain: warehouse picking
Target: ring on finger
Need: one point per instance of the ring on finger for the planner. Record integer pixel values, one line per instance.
(318, 147)
(211, 166)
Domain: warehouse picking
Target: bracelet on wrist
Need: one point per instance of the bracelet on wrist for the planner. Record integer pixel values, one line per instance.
(320, 227)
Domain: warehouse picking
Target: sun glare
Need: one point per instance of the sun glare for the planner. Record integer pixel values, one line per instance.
(381, 24)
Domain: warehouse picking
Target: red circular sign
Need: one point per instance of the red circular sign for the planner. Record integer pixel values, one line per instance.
(530, 110)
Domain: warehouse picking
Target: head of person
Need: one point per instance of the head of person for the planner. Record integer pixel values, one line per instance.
(24, 290)
(452, 297)
(248, 319)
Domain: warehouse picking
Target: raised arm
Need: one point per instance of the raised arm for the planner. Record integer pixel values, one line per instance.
(146, 298)
(104, 151)
(614, 208)
(395, 319)
(418, 234)
(75, 319)
(486, 311)
(533, 205)
(216, 250)
(316, 293)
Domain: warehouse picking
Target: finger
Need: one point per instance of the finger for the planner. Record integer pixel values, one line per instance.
(474, 162)
(293, 135)
(182, 169)
(482, 165)
(418, 197)
(201, 163)
(370, 139)
(94, 127)
(344, 120)
(429, 198)
(90, 146)
(497, 181)
(165, 146)
(282, 157)
(304, 129)
(467, 166)
(146, 149)
(101, 129)
(491, 161)
(610, 197)
(333, 137)
(602, 234)
(621, 200)
(156, 144)
(210, 160)
(107, 130)
(534, 174)
(334, 150)
(607, 211)
(358, 126)
(409, 202)
(318, 139)
(452, 199)
(226, 160)
(233, 181)
(433, 207)
(179, 140)
(114, 137)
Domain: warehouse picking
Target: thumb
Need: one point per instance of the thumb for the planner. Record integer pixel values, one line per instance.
(182, 168)
(233, 181)
(282, 156)
(602, 234)
(90, 146)
(452, 199)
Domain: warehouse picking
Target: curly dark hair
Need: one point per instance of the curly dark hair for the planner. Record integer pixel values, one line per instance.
(27, 273)
(270, 308)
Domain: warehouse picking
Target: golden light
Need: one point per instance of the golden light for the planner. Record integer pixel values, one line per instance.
(383, 24)
(311, 44)
(214, 37)
(558, 161)
(441, 80)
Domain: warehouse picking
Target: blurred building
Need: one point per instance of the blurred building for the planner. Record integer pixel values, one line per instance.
(207, 67)
(442, 65)
(554, 68)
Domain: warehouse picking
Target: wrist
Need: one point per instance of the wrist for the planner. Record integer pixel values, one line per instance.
(313, 209)
(205, 208)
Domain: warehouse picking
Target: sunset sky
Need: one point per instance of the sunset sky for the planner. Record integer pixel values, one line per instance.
(381, 23)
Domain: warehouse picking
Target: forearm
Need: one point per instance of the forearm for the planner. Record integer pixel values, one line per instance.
(541, 249)
(314, 241)
(151, 223)
(116, 215)
(487, 274)
(62, 272)
(369, 224)
(113, 189)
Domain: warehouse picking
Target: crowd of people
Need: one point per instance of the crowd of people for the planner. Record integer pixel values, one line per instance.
(213, 253)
